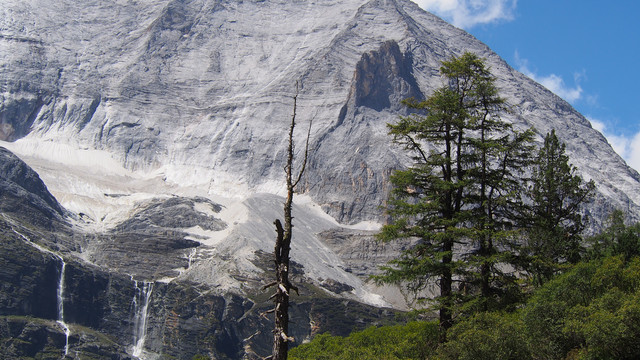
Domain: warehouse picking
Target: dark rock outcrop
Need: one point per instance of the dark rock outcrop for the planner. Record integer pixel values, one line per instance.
(23, 194)
(28, 337)
(381, 80)
(174, 213)
(28, 277)
(384, 78)
(142, 254)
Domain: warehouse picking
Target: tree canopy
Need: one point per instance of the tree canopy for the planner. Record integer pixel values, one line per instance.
(554, 223)
(458, 194)
(484, 209)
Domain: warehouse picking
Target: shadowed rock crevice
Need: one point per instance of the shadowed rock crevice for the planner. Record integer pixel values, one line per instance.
(16, 118)
(384, 78)
(89, 114)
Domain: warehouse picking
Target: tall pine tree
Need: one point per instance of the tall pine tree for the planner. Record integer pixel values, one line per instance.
(455, 198)
(554, 224)
(499, 156)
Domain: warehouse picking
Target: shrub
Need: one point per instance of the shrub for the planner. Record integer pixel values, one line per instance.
(490, 335)
(416, 340)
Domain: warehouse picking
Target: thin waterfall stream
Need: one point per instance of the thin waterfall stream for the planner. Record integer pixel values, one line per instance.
(141, 301)
(60, 321)
(60, 291)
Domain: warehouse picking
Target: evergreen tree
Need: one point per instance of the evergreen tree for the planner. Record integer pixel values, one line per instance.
(616, 239)
(426, 201)
(501, 155)
(554, 222)
(457, 193)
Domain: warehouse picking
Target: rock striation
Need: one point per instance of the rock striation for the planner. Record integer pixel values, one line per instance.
(176, 85)
(20, 185)
(158, 127)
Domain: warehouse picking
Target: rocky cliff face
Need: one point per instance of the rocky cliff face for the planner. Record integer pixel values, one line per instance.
(144, 289)
(196, 91)
(158, 128)
(23, 192)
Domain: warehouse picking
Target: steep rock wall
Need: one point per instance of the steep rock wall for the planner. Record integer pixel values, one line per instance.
(184, 87)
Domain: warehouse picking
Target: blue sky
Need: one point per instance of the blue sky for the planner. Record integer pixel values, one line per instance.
(587, 52)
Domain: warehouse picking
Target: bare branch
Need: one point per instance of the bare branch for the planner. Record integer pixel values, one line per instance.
(306, 155)
(283, 246)
(269, 285)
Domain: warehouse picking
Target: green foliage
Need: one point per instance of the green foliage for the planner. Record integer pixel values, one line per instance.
(488, 335)
(609, 326)
(616, 239)
(200, 357)
(592, 311)
(412, 341)
(554, 224)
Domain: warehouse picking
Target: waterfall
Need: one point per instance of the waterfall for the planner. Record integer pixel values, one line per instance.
(141, 300)
(60, 292)
(192, 254)
(60, 321)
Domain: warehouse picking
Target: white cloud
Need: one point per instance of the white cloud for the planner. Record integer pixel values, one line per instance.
(598, 125)
(553, 82)
(633, 158)
(628, 147)
(467, 13)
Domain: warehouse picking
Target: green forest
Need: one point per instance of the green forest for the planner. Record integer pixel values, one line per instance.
(498, 216)
(590, 311)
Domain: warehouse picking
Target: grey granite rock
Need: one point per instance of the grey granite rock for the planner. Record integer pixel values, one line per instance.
(196, 84)
(24, 194)
(192, 93)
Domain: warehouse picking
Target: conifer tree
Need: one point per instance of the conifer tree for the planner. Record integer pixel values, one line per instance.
(456, 195)
(499, 156)
(554, 222)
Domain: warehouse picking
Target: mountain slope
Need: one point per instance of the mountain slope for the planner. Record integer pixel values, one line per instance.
(159, 127)
(195, 91)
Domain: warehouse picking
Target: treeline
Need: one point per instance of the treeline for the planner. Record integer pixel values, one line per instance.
(498, 227)
(591, 311)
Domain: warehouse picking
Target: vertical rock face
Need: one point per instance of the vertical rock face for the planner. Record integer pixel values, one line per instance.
(174, 86)
(384, 78)
(158, 126)
(352, 158)
(28, 278)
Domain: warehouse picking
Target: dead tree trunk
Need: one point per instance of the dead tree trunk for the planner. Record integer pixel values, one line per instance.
(281, 338)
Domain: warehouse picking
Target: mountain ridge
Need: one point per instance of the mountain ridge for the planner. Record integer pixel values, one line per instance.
(139, 115)
(167, 94)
